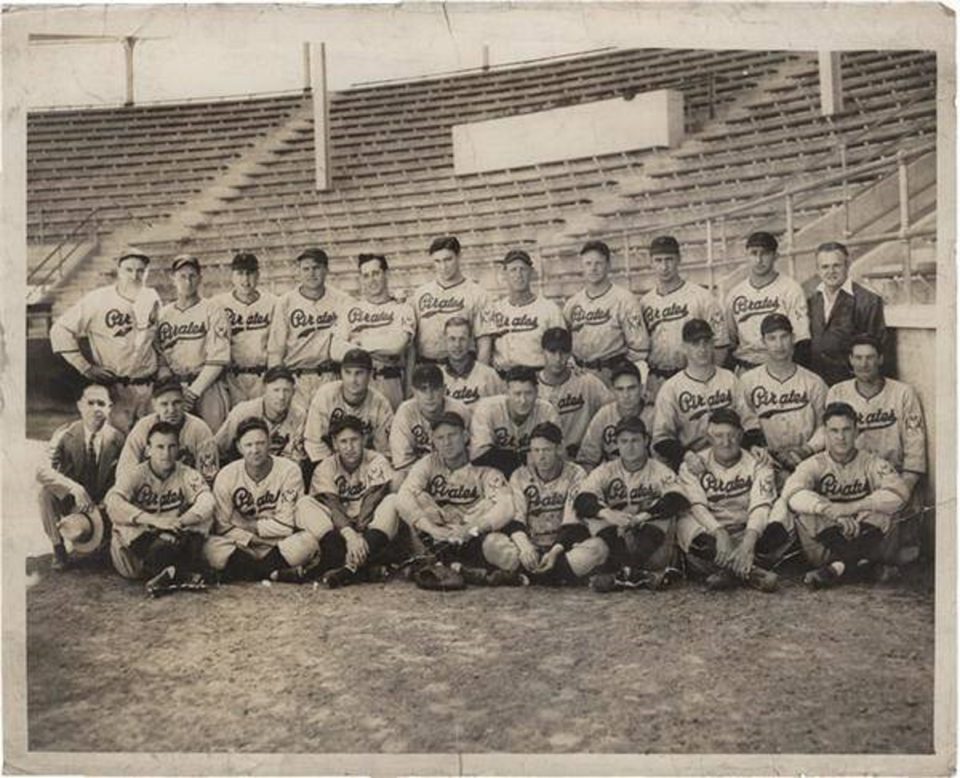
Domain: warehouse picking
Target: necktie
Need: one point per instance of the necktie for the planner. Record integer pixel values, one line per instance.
(90, 469)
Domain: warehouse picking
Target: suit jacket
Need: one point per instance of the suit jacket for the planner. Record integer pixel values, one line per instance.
(67, 454)
(861, 313)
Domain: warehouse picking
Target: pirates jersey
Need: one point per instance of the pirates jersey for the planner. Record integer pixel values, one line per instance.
(842, 482)
(684, 404)
(493, 427)
(332, 478)
(410, 434)
(631, 492)
(249, 327)
(731, 493)
(302, 328)
(198, 449)
(517, 330)
(433, 304)
(747, 306)
(366, 325)
(329, 404)
(544, 505)
(263, 508)
(606, 326)
(457, 493)
(191, 338)
(789, 411)
(577, 400)
(599, 444)
(665, 315)
(286, 435)
(479, 382)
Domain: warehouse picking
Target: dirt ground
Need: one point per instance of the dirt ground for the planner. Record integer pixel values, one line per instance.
(390, 668)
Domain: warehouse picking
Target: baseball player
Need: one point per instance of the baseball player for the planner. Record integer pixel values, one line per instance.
(666, 307)
(555, 546)
(787, 399)
(255, 532)
(606, 320)
(249, 312)
(449, 294)
(577, 394)
(732, 533)
(516, 323)
(78, 470)
(161, 512)
(197, 448)
(763, 292)
(846, 501)
(193, 341)
(410, 435)
(632, 504)
(274, 407)
(381, 325)
(599, 442)
(501, 425)
(120, 322)
(352, 395)
(466, 378)
(685, 402)
(460, 507)
(302, 328)
(351, 506)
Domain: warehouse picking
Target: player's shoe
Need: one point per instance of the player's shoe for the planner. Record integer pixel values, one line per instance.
(375, 574)
(604, 583)
(341, 576)
(192, 583)
(885, 574)
(763, 580)
(658, 580)
(61, 560)
(507, 578)
(472, 576)
(721, 581)
(163, 582)
(822, 578)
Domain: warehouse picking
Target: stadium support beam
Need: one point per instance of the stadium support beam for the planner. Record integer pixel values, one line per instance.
(128, 43)
(321, 116)
(831, 83)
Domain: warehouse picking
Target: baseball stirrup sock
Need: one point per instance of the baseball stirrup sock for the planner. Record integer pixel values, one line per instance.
(704, 546)
(333, 550)
(376, 542)
(774, 536)
(648, 539)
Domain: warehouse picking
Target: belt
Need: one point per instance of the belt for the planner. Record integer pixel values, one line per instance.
(744, 364)
(127, 381)
(323, 368)
(187, 378)
(602, 364)
(235, 370)
(390, 371)
(429, 361)
(669, 372)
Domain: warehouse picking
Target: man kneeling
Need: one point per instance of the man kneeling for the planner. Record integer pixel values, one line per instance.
(350, 511)
(161, 512)
(458, 510)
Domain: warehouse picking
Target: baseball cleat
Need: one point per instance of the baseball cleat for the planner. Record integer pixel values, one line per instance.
(763, 580)
(604, 583)
(473, 576)
(822, 578)
(721, 581)
(657, 580)
(192, 583)
(163, 582)
(342, 576)
(887, 574)
(507, 578)
(288, 575)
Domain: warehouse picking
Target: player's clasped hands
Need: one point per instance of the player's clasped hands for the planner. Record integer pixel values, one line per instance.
(357, 548)
(694, 463)
(529, 557)
(549, 560)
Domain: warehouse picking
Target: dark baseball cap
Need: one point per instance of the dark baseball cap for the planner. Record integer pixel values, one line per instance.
(185, 260)
(762, 240)
(278, 373)
(630, 424)
(625, 367)
(427, 377)
(357, 357)
(695, 330)
(170, 384)
(664, 244)
(521, 373)
(726, 416)
(246, 261)
(316, 254)
(452, 418)
(548, 431)
(517, 255)
(775, 322)
(557, 339)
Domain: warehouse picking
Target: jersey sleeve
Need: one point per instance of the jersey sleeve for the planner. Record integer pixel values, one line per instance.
(133, 448)
(666, 425)
(597, 393)
(225, 435)
(316, 427)
(519, 498)
(733, 335)
(480, 304)
(692, 487)
(593, 484)
(763, 491)
(119, 500)
(218, 336)
(481, 430)
(795, 303)
(379, 472)
(415, 483)
(802, 479)
(576, 482)
(403, 447)
(590, 452)
(913, 433)
(747, 415)
(487, 321)
(634, 329)
(713, 315)
(323, 475)
(382, 423)
(66, 330)
(277, 337)
(408, 319)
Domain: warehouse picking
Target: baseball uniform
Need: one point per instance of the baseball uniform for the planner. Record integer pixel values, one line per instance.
(607, 326)
(516, 330)
(329, 404)
(410, 435)
(249, 325)
(493, 426)
(433, 304)
(543, 506)
(747, 306)
(599, 443)
(477, 382)
(286, 434)
(789, 411)
(577, 400)
(198, 449)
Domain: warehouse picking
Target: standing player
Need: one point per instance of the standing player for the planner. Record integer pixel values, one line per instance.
(352, 395)
(194, 344)
(666, 307)
(555, 547)
(197, 447)
(730, 524)
(846, 501)
(379, 324)
(302, 327)
(605, 320)
(599, 442)
(466, 378)
(577, 394)
(515, 323)
(249, 312)
(763, 292)
(120, 322)
(787, 399)
(77, 472)
(410, 434)
(685, 402)
(501, 426)
(161, 512)
(255, 532)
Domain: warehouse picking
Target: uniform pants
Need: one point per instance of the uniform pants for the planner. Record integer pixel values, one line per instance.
(313, 517)
(584, 557)
(809, 526)
(492, 549)
(154, 550)
(774, 541)
(296, 549)
(241, 387)
(131, 403)
(650, 549)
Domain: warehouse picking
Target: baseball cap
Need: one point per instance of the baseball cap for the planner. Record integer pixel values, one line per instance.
(696, 329)
(245, 260)
(521, 373)
(517, 255)
(316, 254)
(630, 424)
(251, 423)
(775, 322)
(427, 377)
(362, 259)
(357, 357)
(451, 418)
(277, 373)
(346, 422)
(131, 252)
(170, 384)
(665, 244)
(726, 416)
(185, 260)
(548, 431)
(763, 240)
(625, 367)
(557, 339)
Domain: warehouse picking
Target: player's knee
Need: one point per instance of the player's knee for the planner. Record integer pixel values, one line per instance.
(217, 551)
(313, 517)
(500, 551)
(299, 548)
(586, 556)
(386, 517)
(125, 562)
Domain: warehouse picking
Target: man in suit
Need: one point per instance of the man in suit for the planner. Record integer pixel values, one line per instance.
(839, 310)
(76, 475)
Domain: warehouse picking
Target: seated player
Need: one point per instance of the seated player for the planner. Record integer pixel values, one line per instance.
(410, 435)
(787, 399)
(555, 547)
(255, 531)
(459, 510)
(274, 407)
(197, 448)
(576, 393)
(161, 512)
(599, 443)
(350, 509)
(466, 378)
(846, 502)
(685, 402)
(501, 426)
(632, 504)
(351, 395)
(730, 533)
(76, 474)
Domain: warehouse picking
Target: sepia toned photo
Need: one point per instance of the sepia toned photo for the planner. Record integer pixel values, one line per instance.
(479, 389)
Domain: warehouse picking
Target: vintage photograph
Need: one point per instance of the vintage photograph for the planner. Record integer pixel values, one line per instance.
(479, 389)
